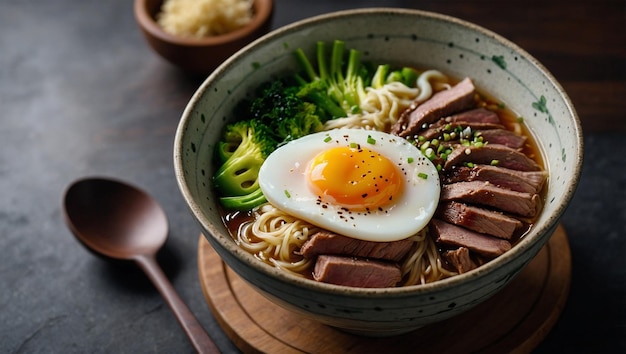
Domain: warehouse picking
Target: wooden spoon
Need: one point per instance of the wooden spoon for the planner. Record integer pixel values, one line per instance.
(120, 221)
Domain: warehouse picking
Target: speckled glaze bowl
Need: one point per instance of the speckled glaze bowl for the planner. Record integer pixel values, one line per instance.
(427, 40)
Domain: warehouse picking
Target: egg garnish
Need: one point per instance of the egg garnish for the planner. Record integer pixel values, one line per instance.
(364, 184)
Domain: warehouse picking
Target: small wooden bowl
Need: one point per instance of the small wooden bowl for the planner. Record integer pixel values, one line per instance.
(200, 55)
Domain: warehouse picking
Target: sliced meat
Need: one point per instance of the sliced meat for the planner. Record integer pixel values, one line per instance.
(456, 99)
(435, 132)
(520, 181)
(487, 194)
(476, 119)
(460, 259)
(503, 137)
(506, 157)
(477, 115)
(326, 242)
(356, 272)
(478, 219)
(453, 235)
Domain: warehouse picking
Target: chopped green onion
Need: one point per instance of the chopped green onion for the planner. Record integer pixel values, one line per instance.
(494, 162)
(520, 119)
(327, 139)
(409, 160)
(422, 175)
(287, 194)
(371, 140)
(354, 145)
(430, 153)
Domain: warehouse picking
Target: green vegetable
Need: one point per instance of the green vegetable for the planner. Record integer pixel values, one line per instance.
(243, 149)
(380, 76)
(316, 93)
(343, 84)
(287, 115)
(244, 202)
(407, 76)
(277, 115)
(383, 75)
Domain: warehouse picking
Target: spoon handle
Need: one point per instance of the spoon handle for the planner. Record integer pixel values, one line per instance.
(193, 329)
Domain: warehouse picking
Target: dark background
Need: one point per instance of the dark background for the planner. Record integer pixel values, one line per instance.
(82, 94)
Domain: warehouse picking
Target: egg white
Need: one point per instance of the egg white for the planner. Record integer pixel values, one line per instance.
(284, 183)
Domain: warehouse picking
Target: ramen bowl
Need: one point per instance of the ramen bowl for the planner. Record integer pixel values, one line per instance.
(200, 55)
(407, 37)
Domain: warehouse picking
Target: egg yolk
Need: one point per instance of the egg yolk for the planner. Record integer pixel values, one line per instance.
(354, 177)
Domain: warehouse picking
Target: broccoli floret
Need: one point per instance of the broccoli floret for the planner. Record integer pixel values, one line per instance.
(288, 116)
(243, 149)
(343, 84)
(316, 92)
(277, 115)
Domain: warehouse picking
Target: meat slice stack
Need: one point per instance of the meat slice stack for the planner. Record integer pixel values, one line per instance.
(490, 191)
(347, 261)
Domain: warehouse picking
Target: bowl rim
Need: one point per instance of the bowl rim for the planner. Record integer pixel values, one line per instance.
(396, 292)
(263, 10)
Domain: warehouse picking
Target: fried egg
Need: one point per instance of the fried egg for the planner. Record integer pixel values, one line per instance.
(364, 184)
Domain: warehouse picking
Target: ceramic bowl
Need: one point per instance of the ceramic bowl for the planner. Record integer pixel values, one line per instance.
(200, 55)
(427, 40)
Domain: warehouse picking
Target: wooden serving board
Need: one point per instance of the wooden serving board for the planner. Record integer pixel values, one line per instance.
(516, 319)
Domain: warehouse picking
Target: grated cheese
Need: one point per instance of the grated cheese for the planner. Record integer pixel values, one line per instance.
(202, 18)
